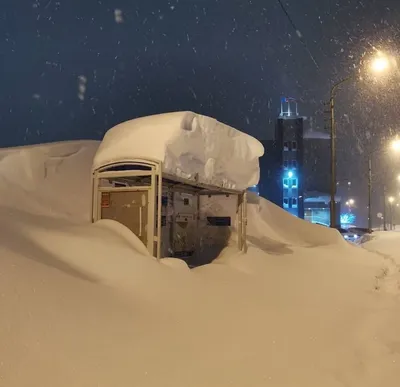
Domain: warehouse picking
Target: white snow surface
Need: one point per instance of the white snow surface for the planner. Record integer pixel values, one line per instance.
(190, 146)
(85, 305)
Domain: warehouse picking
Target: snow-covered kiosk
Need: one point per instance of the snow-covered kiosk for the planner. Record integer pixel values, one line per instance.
(150, 174)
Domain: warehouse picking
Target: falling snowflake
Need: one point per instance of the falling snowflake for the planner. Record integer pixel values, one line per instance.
(118, 16)
(82, 80)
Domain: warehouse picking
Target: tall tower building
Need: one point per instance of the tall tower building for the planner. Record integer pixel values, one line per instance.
(289, 138)
(282, 165)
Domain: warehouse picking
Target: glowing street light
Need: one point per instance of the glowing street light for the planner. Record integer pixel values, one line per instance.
(396, 145)
(350, 203)
(379, 64)
(391, 199)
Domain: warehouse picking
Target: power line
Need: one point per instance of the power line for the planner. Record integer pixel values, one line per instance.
(298, 33)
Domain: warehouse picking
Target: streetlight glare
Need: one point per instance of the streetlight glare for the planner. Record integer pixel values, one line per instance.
(396, 145)
(351, 201)
(380, 64)
(391, 199)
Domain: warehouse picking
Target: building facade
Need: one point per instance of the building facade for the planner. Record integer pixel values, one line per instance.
(282, 164)
(295, 168)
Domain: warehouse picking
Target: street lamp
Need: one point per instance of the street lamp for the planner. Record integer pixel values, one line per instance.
(391, 201)
(378, 65)
(333, 150)
(381, 64)
(396, 145)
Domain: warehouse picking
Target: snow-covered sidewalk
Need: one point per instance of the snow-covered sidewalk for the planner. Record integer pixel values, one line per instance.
(381, 330)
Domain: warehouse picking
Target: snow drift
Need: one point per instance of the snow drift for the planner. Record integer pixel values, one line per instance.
(268, 221)
(189, 145)
(83, 305)
(52, 179)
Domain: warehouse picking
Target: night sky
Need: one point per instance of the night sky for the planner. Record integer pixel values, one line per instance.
(73, 69)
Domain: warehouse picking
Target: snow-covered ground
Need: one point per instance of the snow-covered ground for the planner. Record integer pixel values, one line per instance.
(84, 305)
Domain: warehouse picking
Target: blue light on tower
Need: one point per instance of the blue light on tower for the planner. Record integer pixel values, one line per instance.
(290, 174)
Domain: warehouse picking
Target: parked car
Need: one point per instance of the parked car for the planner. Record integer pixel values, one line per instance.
(360, 230)
(349, 234)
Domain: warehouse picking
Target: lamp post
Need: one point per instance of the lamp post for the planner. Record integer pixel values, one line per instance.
(391, 201)
(369, 193)
(333, 149)
(380, 64)
(384, 209)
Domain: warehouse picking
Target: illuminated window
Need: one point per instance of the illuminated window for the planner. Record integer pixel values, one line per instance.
(294, 202)
(294, 145)
(286, 182)
(285, 146)
(285, 202)
(293, 183)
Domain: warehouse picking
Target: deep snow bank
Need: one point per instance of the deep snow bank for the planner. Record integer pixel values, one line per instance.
(268, 221)
(189, 145)
(51, 179)
(82, 305)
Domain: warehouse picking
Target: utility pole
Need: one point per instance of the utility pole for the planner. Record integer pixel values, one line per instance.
(384, 208)
(333, 161)
(333, 149)
(369, 193)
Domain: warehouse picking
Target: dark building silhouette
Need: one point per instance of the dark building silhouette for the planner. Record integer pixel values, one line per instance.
(294, 171)
(282, 164)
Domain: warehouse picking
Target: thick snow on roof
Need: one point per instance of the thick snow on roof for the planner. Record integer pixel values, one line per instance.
(189, 145)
